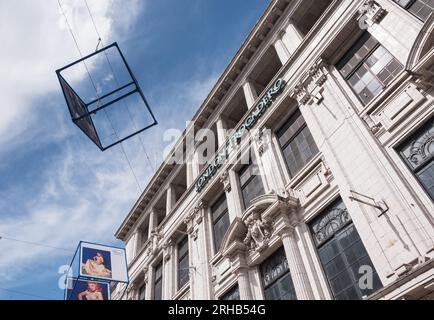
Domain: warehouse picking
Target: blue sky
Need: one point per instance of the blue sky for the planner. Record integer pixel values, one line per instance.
(56, 187)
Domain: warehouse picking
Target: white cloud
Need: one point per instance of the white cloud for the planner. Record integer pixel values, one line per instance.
(36, 42)
(83, 194)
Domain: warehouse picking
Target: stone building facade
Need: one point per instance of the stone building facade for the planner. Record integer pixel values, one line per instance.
(324, 187)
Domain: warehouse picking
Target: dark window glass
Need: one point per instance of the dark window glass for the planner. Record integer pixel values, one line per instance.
(276, 278)
(342, 254)
(158, 282)
(420, 8)
(368, 67)
(142, 293)
(297, 143)
(251, 183)
(183, 263)
(418, 153)
(220, 221)
(232, 294)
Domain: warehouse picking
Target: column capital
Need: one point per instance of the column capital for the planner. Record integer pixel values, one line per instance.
(308, 89)
(370, 13)
(224, 179)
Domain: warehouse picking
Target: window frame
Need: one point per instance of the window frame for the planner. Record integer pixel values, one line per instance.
(241, 171)
(218, 202)
(344, 227)
(233, 289)
(179, 259)
(404, 144)
(158, 280)
(408, 6)
(280, 277)
(362, 63)
(292, 139)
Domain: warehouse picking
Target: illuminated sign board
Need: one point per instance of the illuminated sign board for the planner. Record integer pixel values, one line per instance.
(256, 113)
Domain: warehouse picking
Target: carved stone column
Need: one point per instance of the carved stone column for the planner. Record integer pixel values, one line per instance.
(229, 179)
(268, 156)
(169, 265)
(241, 270)
(199, 252)
(299, 275)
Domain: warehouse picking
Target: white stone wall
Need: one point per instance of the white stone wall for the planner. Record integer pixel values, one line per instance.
(357, 162)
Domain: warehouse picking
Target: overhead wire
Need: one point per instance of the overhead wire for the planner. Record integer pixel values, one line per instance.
(34, 243)
(96, 90)
(22, 293)
(100, 41)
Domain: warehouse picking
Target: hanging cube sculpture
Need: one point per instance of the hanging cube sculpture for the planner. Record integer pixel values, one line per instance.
(111, 107)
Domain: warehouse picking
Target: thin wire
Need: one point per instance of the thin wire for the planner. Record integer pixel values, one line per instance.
(116, 80)
(26, 294)
(96, 90)
(34, 244)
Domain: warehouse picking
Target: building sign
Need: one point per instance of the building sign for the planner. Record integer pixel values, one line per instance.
(103, 263)
(257, 112)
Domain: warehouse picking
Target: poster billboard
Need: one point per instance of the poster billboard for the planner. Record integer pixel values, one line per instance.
(102, 262)
(79, 289)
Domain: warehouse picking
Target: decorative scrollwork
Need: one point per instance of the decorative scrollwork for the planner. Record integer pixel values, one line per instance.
(327, 225)
(422, 149)
(259, 232)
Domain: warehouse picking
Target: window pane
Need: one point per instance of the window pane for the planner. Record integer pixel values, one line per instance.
(297, 143)
(158, 283)
(142, 293)
(418, 153)
(251, 190)
(342, 254)
(232, 294)
(426, 176)
(158, 290)
(183, 263)
(218, 208)
(183, 272)
(375, 69)
(276, 278)
(422, 9)
(251, 183)
(219, 228)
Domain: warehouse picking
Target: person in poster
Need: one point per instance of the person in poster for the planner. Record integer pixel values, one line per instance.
(93, 292)
(96, 266)
(83, 290)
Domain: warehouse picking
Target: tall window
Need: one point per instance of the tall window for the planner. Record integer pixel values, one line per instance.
(220, 221)
(420, 8)
(158, 282)
(251, 183)
(142, 292)
(297, 143)
(232, 294)
(183, 263)
(368, 67)
(418, 153)
(343, 255)
(276, 278)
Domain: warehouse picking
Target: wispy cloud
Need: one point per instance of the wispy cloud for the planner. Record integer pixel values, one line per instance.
(36, 41)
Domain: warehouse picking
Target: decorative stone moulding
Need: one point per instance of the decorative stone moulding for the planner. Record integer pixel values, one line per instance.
(259, 232)
(308, 90)
(372, 12)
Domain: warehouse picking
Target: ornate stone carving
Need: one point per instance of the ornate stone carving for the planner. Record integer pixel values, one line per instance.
(258, 232)
(167, 249)
(317, 74)
(374, 127)
(224, 179)
(263, 140)
(145, 274)
(301, 94)
(372, 12)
